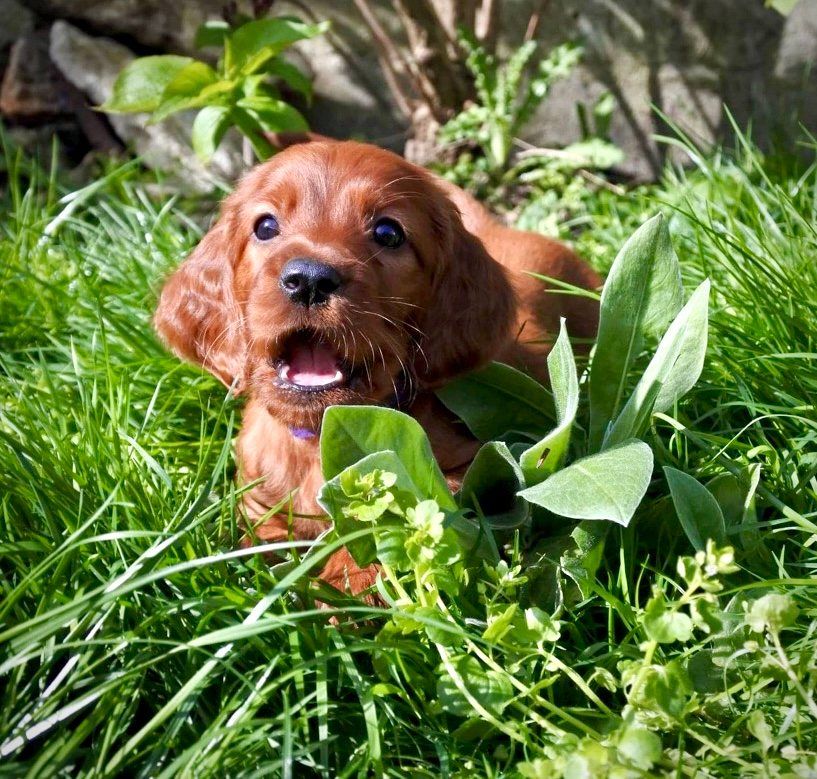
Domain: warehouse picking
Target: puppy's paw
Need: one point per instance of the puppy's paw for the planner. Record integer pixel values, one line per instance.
(344, 574)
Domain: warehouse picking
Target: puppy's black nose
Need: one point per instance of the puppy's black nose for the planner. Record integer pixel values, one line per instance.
(309, 282)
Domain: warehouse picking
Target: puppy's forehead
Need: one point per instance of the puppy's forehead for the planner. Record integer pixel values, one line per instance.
(336, 179)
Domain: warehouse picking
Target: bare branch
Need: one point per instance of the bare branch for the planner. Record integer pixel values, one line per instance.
(485, 23)
(421, 53)
(446, 29)
(533, 22)
(390, 58)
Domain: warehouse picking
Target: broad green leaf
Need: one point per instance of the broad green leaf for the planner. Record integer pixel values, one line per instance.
(634, 418)
(581, 561)
(783, 7)
(186, 90)
(490, 688)
(735, 494)
(475, 537)
(390, 546)
(414, 618)
(262, 60)
(730, 494)
(576, 554)
(274, 115)
(641, 296)
(663, 623)
(759, 728)
(268, 37)
(639, 746)
(664, 688)
(697, 509)
(211, 33)
(291, 76)
(254, 132)
(350, 433)
(685, 371)
(209, 127)
(490, 487)
(588, 760)
(140, 85)
(592, 153)
(705, 676)
(499, 625)
(607, 486)
(773, 612)
(542, 459)
(191, 80)
(671, 373)
(332, 498)
(497, 399)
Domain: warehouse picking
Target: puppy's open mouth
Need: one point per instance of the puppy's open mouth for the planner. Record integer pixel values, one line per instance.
(307, 362)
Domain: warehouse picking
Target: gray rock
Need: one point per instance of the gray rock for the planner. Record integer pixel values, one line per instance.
(92, 65)
(156, 24)
(17, 22)
(688, 58)
(33, 90)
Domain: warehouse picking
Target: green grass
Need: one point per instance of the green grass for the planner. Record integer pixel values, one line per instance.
(137, 639)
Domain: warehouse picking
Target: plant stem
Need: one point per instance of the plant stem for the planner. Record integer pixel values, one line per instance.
(785, 664)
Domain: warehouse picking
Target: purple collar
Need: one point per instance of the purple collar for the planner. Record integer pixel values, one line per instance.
(302, 432)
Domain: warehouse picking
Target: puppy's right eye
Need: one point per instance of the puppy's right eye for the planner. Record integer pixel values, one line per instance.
(266, 228)
(389, 234)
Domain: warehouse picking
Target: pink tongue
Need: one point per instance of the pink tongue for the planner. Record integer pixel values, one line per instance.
(312, 365)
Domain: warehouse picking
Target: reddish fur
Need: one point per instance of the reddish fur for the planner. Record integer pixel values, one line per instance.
(457, 287)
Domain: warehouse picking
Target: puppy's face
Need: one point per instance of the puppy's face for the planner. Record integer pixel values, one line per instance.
(338, 273)
(337, 265)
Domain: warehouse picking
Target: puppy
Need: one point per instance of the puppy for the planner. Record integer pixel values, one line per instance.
(339, 273)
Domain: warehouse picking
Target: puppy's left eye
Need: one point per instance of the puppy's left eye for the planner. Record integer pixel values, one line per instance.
(388, 233)
(266, 227)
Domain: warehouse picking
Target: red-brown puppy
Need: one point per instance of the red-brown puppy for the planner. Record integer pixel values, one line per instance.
(339, 273)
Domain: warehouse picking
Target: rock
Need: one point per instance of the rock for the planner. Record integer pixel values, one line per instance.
(795, 64)
(688, 58)
(92, 64)
(347, 103)
(33, 90)
(155, 24)
(17, 22)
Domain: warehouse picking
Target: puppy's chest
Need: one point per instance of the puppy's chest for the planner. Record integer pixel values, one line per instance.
(281, 462)
(269, 453)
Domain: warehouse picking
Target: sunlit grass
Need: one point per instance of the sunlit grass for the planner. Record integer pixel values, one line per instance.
(137, 639)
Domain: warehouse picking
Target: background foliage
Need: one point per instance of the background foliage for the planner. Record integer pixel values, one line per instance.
(241, 91)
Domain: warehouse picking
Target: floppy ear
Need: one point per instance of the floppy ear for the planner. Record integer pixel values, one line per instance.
(198, 316)
(472, 307)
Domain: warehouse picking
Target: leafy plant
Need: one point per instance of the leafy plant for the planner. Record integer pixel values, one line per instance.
(239, 92)
(784, 7)
(594, 469)
(138, 638)
(508, 94)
